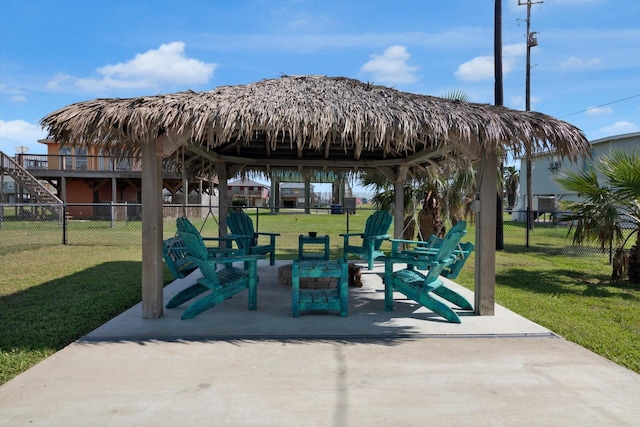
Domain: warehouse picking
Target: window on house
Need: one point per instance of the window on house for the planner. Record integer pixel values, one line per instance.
(81, 158)
(104, 163)
(123, 165)
(65, 157)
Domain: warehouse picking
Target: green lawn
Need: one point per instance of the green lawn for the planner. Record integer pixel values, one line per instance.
(51, 295)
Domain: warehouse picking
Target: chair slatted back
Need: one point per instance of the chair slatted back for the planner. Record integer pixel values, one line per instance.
(200, 255)
(447, 246)
(183, 224)
(451, 241)
(241, 224)
(377, 224)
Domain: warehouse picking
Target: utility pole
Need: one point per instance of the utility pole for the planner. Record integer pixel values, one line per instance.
(531, 42)
(499, 100)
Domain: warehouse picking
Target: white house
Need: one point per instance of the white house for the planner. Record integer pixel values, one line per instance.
(547, 193)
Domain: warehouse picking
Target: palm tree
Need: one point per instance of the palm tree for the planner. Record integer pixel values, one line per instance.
(385, 197)
(511, 184)
(445, 192)
(606, 210)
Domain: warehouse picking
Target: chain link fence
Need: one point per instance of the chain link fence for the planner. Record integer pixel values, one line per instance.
(28, 226)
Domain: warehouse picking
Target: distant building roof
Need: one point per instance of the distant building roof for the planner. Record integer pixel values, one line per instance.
(616, 137)
(294, 185)
(245, 183)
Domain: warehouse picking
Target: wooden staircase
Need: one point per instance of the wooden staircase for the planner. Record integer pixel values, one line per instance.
(39, 193)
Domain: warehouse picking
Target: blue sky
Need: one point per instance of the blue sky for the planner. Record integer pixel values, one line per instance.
(586, 68)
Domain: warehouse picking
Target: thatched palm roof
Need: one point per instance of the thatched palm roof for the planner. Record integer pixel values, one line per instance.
(313, 121)
(310, 123)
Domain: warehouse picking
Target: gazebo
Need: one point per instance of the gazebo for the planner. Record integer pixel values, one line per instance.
(310, 124)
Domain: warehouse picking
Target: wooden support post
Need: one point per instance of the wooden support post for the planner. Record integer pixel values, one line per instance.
(307, 196)
(398, 211)
(221, 171)
(152, 280)
(485, 273)
(275, 194)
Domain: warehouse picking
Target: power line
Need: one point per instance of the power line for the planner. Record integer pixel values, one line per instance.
(602, 105)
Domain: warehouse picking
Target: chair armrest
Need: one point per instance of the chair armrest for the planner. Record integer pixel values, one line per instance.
(408, 242)
(347, 236)
(226, 240)
(380, 237)
(245, 237)
(397, 242)
(271, 236)
(220, 251)
(237, 258)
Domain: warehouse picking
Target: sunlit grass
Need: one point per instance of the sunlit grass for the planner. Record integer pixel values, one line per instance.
(52, 295)
(573, 297)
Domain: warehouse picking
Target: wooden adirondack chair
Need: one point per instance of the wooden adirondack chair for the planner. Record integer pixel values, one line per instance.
(462, 251)
(375, 232)
(174, 253)
(241, 227)
(222, 284)
(419, 286)
(223, 244)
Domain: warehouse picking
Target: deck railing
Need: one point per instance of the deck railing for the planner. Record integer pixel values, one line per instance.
(69, 162)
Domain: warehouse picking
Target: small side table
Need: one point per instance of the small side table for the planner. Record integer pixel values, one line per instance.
(308, 240)
(319, 299)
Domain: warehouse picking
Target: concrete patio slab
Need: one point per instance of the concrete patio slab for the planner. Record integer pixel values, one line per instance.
(367, 317)
(232, 367)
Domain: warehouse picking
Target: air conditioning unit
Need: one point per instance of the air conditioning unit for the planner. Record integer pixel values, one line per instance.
(554, 165)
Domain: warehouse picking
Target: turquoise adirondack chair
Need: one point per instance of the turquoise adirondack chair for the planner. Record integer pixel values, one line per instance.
(248, 241)
(462, 251)
(420, 286)
(223, 244)
(375, 232)
(222, 284)
(174, 253)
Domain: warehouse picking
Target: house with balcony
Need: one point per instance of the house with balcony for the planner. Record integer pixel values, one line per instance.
(88, 179)
(292, 195)
(248, 193)
(545, 167)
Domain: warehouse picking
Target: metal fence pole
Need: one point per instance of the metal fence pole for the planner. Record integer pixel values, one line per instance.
(113, 215)
(257, 219)
(64, 223)
(528, 225)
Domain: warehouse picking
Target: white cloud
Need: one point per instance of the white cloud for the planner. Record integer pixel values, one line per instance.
(391, 67)
(16, 95)
(479, 68)
(150, 70)
(514, 50)
(57, 83)
(619, 128)
(14, 133)
(482, 67)
(596, 111)
(579, 63)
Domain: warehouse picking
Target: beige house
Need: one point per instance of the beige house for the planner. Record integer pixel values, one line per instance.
(250, 193)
